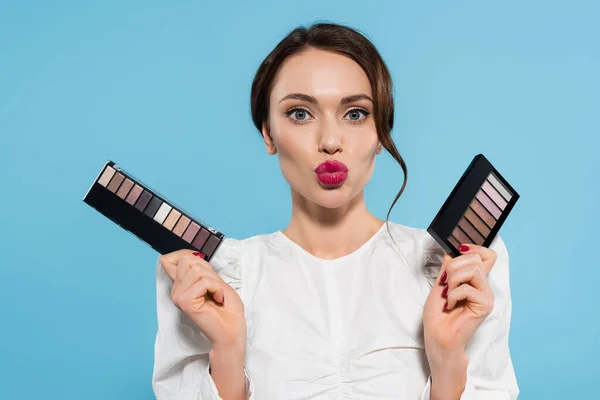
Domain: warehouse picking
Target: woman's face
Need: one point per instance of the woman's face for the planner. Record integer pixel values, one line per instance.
(312, 120)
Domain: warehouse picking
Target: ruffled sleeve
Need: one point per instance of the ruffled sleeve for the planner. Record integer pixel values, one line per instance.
(181, 362)
(490, 373)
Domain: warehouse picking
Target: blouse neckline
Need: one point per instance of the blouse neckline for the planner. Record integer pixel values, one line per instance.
(354, 253)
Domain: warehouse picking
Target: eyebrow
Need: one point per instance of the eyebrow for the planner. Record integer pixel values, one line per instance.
(313, 100)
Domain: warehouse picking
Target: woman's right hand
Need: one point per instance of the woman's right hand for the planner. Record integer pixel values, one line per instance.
(205, 298)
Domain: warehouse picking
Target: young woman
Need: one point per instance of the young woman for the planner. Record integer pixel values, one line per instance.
(340, 304)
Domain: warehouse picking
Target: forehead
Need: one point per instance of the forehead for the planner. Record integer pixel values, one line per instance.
(321, 74)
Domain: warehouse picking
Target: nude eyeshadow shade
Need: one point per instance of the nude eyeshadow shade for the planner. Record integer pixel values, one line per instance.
(140, 210)
(475, 209)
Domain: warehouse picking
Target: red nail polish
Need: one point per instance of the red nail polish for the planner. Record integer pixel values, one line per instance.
(463, 248)
(198, 254)
(445, 291)
(444, 277)
(446, 306)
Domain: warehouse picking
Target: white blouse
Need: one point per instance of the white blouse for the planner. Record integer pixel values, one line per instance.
(348, 328)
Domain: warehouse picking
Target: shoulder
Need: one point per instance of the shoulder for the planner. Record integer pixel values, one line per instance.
(418, 248)
(233, 253)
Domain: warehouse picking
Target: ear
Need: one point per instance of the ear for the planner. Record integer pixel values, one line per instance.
(269, 143)
(379, 148)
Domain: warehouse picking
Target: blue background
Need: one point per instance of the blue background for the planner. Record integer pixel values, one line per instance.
(163, 89)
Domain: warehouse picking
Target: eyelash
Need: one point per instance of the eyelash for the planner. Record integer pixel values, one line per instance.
(289, 112)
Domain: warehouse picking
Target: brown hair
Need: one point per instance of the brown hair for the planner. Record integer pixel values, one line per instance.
(345, 41)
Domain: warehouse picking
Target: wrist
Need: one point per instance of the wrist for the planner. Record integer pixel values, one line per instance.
(449, 376)
(227, 371)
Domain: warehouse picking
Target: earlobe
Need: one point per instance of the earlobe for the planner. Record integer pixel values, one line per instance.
(269, 143)
(379, 148)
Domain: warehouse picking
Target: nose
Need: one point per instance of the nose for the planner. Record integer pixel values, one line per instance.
(330, 138)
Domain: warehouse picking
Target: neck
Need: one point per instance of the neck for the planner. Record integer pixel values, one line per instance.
(331, 233)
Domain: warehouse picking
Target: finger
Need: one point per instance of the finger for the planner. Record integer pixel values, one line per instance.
(488, 256)
(185, 262)
(194, 274)
(472, 274)
(442, 275)
(191, 299)
(477, 298)
(169, 261)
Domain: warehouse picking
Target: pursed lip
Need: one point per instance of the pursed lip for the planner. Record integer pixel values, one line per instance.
(331, 166)
(332, 173)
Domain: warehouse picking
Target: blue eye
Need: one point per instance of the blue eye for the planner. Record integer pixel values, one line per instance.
(300, 113)
(356, 112)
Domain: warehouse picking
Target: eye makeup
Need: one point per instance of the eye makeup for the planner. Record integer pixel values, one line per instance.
(475, 209)
(140, 210)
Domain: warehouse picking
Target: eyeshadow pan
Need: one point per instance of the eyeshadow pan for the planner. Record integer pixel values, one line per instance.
(475, 209)
(453, 240)
(153, 206)
(172, 219)
(191, 232)
(162, 212)
(460, 235)
(143, 200)
(483, 213)
(115, 182)
(499, 187)
(181, 225)
(145, 213)
(134, 194)
(106, 176)
(200, 238)
(210, 246)
(488, 204)
(477, 222)
(475, 236)
(494, 195)
(125, 188)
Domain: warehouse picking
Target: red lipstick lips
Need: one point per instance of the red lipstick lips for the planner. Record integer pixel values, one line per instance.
(331, 173)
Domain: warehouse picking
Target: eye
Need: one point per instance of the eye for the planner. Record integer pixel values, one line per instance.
(355, 114)
(300, 114)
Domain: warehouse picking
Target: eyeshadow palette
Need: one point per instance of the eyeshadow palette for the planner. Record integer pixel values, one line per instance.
(475, 209)
(149, 216)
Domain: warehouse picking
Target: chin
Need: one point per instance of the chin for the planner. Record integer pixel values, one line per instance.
(332, 198)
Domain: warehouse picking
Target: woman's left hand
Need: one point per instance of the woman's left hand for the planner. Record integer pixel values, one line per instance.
(463, 284)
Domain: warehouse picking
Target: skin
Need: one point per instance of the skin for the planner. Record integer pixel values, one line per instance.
(323, 218)
(304, 134)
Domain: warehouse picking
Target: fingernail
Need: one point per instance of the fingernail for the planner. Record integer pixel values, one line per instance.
(198, 254)
(443, 278)
(445, 291)
(446, 306)
(463, 248)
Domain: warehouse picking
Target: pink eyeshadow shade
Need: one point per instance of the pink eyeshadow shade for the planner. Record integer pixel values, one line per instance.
(189, 234)
(494, 195)
(488, 204)
(134, 194)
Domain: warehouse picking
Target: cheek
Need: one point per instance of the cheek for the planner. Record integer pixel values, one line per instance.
(293, 144)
